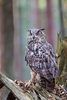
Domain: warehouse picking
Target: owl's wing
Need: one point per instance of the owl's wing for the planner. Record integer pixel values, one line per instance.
(49, 66)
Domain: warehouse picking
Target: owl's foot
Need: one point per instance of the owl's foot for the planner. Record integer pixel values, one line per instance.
(32, 80)
(28, 84)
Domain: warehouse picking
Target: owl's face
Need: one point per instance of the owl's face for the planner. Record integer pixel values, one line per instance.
(35, 35)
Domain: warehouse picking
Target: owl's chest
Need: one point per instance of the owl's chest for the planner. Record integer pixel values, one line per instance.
(35, 50)
(34, 54)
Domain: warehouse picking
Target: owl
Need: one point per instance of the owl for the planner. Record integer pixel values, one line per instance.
(41, 59)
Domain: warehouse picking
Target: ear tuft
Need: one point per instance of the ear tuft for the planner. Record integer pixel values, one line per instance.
(29, 31)
(42, 29)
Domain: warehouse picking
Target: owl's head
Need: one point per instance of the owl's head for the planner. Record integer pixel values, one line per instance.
(35, 35)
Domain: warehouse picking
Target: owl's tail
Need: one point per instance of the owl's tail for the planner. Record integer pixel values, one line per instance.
(48, 85)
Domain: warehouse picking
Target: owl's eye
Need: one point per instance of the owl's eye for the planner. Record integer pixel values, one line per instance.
(37, 33)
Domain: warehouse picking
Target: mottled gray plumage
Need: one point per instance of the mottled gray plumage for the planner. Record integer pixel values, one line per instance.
(40, 55)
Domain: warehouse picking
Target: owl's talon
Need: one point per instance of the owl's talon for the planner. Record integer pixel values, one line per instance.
(28, 84)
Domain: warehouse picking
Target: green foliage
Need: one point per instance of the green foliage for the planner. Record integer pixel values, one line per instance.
(59, 45)
(61, 58)
(42, 4)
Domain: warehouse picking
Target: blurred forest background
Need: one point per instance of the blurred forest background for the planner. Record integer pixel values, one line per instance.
(16, 17)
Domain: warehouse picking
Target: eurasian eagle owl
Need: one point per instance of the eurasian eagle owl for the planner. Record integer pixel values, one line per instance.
(41, 58)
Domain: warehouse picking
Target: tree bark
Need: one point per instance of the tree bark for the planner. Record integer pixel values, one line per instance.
(33, 93)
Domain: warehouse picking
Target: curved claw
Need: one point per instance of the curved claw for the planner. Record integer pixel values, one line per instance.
(28, 83)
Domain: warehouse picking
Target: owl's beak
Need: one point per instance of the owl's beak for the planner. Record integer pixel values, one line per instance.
(33, 37)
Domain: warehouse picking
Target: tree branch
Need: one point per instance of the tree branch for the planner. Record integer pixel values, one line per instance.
(35, 92)
(16, 90)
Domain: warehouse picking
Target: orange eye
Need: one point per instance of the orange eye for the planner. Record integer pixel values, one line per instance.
(37, 33)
